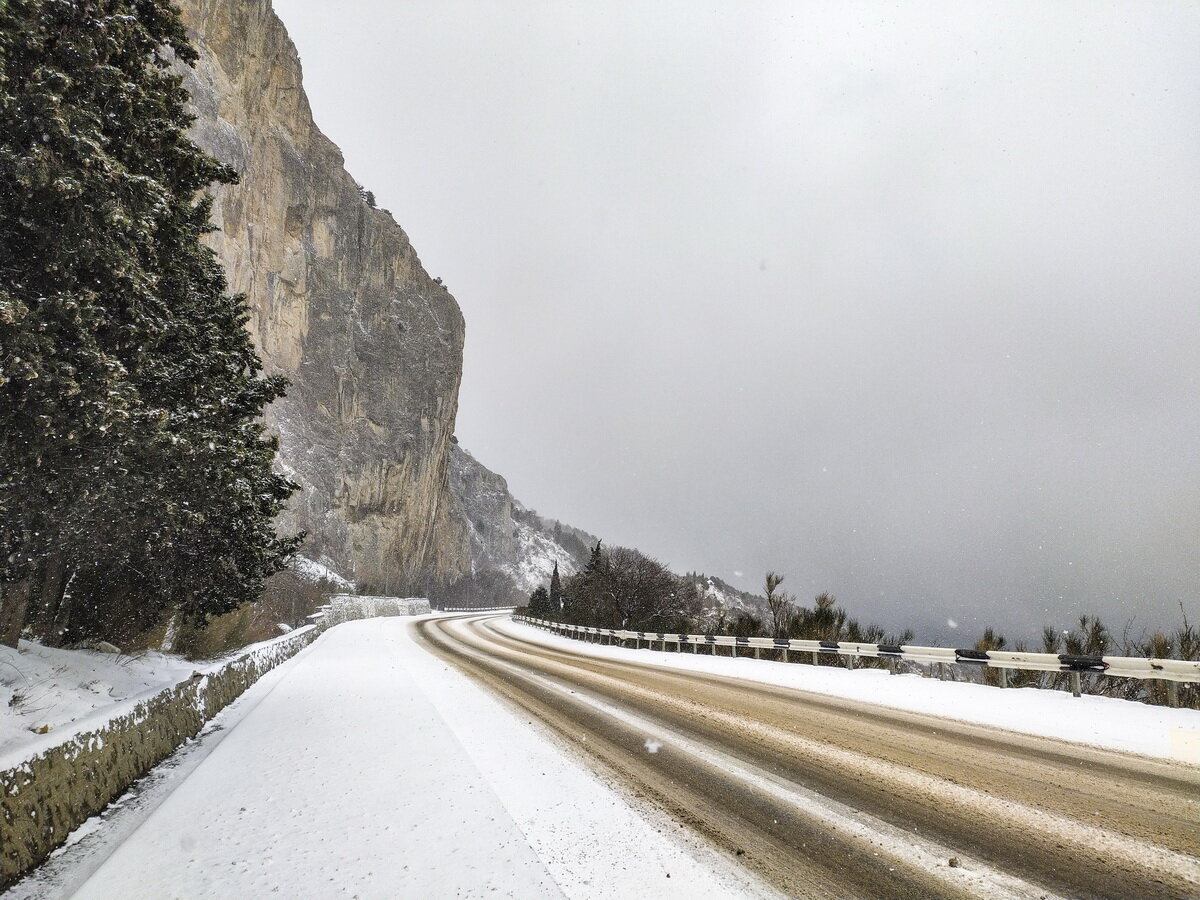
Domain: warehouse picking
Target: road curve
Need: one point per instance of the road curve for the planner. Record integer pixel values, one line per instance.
(825, 797)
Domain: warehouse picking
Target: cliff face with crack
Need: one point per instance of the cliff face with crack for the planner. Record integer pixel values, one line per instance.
(341, 306)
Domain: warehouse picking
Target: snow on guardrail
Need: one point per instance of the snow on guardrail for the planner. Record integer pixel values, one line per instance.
(1173, 671)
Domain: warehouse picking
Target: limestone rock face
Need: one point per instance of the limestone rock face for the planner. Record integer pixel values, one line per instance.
(341, 306)
(487, 508)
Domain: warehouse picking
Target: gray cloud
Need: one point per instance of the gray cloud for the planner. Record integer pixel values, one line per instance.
(901, 301)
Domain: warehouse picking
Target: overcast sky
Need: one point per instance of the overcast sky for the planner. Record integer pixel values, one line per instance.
(901, 300)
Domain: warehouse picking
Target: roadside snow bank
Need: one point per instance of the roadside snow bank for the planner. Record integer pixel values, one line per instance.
(1105, 722)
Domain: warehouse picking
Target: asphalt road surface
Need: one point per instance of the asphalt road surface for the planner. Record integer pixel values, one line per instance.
(825, 797)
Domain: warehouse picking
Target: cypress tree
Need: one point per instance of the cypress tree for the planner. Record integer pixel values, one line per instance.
(133, 467)
(555, 590)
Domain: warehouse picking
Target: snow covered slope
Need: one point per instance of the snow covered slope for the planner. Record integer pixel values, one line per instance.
(507, 537)
(720, 597)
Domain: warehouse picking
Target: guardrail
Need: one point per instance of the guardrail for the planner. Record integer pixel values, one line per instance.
(473, 608)
(1172, 671)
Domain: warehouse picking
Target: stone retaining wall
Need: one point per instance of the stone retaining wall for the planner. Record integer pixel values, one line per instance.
(48, 796)
(51, 794)
(345, 607)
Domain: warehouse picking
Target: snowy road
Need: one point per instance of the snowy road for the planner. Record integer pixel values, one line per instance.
(827, 797)
(366, 767)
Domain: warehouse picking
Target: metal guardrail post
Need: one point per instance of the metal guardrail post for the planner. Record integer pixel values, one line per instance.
(1004, 678)
(850, 662)
(1076, 690)
(1173, 694)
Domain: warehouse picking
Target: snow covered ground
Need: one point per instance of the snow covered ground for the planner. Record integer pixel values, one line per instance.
(44, 688)
(49, 695)
(366, 767)
(1106, 722)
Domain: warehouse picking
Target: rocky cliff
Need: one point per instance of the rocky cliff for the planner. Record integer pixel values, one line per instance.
(506, 536)
(373, 346)
(341, 306)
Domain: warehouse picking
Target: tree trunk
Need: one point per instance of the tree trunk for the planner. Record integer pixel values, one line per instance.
(14, 604)
(48, 599)
(62, 618)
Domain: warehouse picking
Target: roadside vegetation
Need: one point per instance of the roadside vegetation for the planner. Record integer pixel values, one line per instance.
(1091, 637)
(136, 481)
(624, 589)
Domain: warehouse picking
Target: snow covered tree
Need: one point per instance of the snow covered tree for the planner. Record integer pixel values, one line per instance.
(539, 603)
(622, 588)
(134, 474)
(595, 560)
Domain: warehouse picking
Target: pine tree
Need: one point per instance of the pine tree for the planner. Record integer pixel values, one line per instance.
(779, 603)
(595, 562)
(134, 468)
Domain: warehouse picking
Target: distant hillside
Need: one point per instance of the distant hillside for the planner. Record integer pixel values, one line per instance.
(722, 597)
(512, 547)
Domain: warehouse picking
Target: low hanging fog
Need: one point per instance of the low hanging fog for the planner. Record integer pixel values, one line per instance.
(902, 301)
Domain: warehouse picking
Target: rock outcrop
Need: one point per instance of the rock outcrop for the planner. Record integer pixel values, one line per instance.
(506, 536)
(372, 345)
(341, 306)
